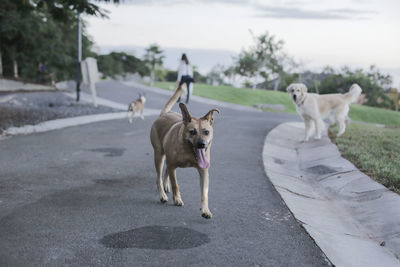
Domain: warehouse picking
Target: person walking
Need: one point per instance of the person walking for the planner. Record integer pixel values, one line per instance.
(185, 76)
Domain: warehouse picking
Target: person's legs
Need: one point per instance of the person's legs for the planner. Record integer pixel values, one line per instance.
(188, 91)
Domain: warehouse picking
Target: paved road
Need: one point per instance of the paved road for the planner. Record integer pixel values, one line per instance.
(86, 196)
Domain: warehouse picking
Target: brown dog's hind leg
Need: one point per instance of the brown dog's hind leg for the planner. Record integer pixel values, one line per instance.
(175, 187)
(167, 187)
(159, 159)
(204, 183)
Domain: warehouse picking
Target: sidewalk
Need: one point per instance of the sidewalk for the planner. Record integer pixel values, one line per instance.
(353, 219)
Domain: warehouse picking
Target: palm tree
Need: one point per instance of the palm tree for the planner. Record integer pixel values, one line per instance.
(154, 56)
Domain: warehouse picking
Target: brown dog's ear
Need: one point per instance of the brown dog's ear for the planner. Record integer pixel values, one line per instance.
(209, 115)
(185, 113)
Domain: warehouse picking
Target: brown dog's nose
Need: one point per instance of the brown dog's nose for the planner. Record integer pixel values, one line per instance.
(201, 143)
(294, 97)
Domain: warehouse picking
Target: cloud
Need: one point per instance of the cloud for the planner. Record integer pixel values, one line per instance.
(272, 11)
(299, 13)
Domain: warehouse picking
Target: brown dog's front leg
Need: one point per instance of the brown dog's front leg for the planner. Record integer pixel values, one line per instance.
(204, 183)
(175, 187)
(159, 163)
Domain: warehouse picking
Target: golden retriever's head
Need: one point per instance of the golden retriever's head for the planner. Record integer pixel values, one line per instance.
(297, 91)
(198, 133)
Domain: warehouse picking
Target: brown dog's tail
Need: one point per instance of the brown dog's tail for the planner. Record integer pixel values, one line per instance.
(172, 100)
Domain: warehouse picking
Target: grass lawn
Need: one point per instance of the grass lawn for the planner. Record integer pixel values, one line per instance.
(242, 96)
(374, 150)
(374, 115)
(250, 97)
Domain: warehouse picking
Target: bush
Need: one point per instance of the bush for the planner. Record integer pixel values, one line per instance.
(371, 83)
(198, 78)
(120, 63)
(171, 76)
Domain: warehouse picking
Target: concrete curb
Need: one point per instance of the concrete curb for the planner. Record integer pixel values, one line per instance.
(353, 219)
(100, 101)
(73, 121)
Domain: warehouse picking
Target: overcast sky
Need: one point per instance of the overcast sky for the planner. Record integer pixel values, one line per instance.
(317, 32)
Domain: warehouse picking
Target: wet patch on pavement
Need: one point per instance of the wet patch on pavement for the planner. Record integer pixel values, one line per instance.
(109, 151)
(279, 161)
(156, 237)
(320, 169)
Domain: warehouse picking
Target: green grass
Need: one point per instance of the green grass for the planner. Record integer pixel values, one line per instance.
(374, 150)
(242, 96)
(249, 97)
(374, 115)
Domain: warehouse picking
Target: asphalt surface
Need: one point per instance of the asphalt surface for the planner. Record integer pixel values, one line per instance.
(86, 196)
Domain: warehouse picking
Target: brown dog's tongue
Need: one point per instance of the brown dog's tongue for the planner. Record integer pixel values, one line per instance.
(201, 158)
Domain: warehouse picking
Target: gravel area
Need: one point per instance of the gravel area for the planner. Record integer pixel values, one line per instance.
(20, 109)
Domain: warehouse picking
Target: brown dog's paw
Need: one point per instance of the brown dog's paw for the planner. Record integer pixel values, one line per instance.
(164, 200)
(178, 202)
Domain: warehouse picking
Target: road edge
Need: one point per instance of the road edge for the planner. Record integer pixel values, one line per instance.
(342, 209)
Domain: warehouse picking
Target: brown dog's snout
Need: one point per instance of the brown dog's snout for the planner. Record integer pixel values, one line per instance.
(201, 143)
(294, 97)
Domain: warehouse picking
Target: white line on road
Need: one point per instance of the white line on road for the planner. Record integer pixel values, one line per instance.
(100, 101)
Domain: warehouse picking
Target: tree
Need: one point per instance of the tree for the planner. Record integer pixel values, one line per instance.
(247, 65)
(215, 76)
(198, 78)
(153, 56)
(38, 32)
(265, 59)
(121, 63)
(395, 96)
(230, 73)
(59, 9)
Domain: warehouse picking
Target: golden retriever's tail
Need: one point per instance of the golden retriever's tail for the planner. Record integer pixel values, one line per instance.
(172, 100)
(353, 94)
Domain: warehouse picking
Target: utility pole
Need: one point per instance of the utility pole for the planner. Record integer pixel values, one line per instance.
(79, 54)
(1, 66)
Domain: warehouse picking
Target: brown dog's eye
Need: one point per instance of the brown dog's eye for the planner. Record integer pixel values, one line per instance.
(206, 132)
(193, 132)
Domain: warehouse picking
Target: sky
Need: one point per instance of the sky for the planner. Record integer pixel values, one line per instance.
(356, 33)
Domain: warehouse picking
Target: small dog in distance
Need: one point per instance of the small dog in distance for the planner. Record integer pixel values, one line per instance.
(137, 106)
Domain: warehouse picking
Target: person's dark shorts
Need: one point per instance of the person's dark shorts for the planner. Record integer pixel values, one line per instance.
(186, 79)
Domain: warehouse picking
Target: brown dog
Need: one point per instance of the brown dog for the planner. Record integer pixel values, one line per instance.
(182, 141)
